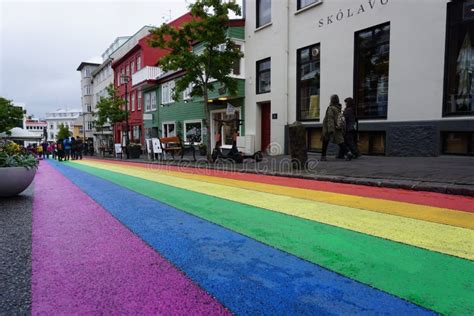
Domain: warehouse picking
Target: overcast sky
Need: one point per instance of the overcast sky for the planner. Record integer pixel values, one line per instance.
(43, 42)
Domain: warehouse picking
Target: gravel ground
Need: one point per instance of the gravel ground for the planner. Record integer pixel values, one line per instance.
(15, 254)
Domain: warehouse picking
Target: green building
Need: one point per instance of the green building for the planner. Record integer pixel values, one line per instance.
(165, 117)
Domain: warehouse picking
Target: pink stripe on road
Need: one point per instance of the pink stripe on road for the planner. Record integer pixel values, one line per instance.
(85, 261)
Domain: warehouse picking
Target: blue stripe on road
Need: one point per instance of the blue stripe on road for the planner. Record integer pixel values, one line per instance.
(246, 276)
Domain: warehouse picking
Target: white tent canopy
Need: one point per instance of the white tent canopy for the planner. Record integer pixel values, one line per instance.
(18, 133)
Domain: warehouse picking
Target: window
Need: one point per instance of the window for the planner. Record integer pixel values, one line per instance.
(192, 131)
(167, 92)
(372, 143)
(187, 92)
(87, 90)
(136, 134)
(128, 70)
(132, 67)
(458, 143)
(169, 129)
(459, 72)
(308, 82)
(133, 101)
(263, 76)
(139, 105)
(304, 3)
(372, 56)
(153, 100)
(139, 63)
(264, 12)
(89, 108)
(89, 125)
(236, 67)
(118, 78)
(147, 102)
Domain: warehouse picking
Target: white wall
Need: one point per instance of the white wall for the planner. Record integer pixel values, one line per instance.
(417, 52)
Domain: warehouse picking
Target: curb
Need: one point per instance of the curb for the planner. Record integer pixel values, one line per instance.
(412, 185)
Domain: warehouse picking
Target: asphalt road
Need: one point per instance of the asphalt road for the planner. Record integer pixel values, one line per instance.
(15, 254)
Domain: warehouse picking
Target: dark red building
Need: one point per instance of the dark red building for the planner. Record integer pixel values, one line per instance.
(137, 61)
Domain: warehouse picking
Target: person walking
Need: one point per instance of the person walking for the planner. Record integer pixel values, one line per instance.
(73, 148)
(60, 149)
(333, 129)
(350, 135)
(79, 148)
(67, 148)
(44, 146)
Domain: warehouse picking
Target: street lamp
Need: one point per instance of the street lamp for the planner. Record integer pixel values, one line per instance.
(125, 80)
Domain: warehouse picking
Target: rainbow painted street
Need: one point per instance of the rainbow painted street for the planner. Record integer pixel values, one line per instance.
(112, 237)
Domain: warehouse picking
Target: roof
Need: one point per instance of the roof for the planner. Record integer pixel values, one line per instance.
(85, 63)
(102, 66)
(21, 134)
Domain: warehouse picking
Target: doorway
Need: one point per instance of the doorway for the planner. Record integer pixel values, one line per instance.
(265, 110)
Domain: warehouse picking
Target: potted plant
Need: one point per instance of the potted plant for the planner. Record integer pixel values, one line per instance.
(17, 169)
(202, 149)
(135, 149)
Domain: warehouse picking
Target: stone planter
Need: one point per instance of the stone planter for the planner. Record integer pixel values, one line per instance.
(14, 180)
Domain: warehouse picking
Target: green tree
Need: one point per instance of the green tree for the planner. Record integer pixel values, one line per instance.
(110, 108)
(10, 115)
(214, 61)
(63, 132)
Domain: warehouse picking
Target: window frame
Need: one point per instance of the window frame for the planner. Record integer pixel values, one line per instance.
(299, 7)
(185, 138)
(259, 72)
(356, 71)
(449, 25)
(257, 19)
(298, 82)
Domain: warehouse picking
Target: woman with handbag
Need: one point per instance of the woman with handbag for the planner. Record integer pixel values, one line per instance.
(333, 129)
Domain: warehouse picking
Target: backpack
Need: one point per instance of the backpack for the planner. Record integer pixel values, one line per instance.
(341, 121)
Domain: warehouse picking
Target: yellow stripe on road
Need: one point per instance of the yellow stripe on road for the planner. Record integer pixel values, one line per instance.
(432, 236)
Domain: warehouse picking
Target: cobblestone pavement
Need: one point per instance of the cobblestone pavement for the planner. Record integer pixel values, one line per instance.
(114, 237)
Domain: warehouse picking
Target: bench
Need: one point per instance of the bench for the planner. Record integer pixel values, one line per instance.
(175, 146)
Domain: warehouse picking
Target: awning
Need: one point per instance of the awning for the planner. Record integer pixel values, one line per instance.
(18, 133)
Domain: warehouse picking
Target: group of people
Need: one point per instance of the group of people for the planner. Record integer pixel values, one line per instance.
(62, 149)
(339, 127)
(69, 149)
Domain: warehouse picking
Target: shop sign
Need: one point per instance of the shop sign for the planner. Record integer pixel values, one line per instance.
(148, 117)
(364, 7)
(230, 109)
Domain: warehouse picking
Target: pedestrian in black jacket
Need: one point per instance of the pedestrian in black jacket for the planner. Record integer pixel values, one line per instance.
(350, 136)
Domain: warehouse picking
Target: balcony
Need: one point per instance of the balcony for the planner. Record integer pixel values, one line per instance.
(146, 76)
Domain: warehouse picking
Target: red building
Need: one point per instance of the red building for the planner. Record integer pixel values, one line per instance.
(136, 59)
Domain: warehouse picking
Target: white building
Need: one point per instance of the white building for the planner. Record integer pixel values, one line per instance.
(102, 77)
(58, 117)
(414, 97)
(87, 92)
(36, 127)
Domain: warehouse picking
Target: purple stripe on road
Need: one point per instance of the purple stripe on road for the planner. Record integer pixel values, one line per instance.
(85, 261)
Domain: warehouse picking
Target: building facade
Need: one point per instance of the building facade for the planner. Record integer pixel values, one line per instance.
(58, 117)
(102, 78)
(407, 64)
(165, 117)
(87, 94)
(136, 61)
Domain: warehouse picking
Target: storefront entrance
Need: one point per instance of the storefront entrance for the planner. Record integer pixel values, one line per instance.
(265, 109)
(226, 131)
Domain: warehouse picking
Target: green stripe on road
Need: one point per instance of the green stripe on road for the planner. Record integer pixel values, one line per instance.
(439, 282)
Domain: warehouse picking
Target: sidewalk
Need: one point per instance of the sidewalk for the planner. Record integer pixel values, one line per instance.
(445, 174)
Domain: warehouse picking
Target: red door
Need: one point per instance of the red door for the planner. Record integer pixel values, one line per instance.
(265, 124)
